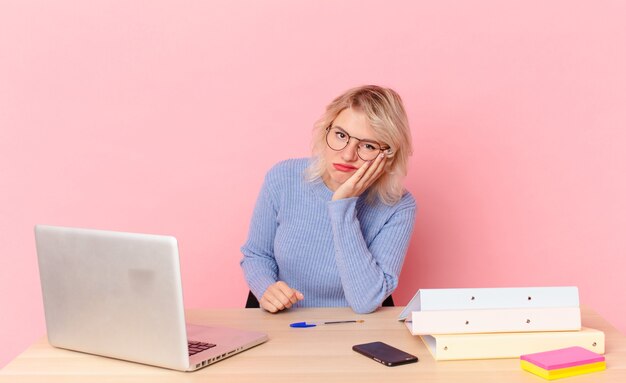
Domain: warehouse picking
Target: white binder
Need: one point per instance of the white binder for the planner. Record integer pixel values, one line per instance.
(490, 321)
(510, 345)
(491, 298)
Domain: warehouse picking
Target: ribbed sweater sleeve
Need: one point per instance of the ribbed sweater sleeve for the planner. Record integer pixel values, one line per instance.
(258, 263)
(369, 273)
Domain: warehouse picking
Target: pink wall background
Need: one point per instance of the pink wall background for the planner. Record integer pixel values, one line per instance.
(163, 117)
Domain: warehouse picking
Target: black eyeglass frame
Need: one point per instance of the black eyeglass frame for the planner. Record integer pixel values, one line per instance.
(382, 147)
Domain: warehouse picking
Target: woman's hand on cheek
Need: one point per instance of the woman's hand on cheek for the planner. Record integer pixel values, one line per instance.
(362, 179)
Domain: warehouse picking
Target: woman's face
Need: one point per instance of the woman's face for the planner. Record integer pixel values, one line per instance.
(342, 164)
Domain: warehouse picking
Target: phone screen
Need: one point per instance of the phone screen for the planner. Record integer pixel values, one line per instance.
(384, 353)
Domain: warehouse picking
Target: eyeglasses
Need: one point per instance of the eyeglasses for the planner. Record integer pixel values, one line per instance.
(337, 139)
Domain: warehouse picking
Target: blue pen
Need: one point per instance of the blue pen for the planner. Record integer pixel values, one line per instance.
(302, 325)
(305, 324)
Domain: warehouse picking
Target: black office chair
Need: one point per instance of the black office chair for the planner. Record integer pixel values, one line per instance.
(253, 303)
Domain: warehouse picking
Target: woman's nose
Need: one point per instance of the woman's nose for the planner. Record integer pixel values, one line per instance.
(349, 153)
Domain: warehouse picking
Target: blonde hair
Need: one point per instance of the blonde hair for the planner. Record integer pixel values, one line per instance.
(385, 113)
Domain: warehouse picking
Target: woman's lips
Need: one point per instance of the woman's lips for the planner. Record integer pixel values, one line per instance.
(344, 168)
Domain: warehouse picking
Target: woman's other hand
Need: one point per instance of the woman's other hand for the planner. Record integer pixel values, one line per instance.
(279, 296)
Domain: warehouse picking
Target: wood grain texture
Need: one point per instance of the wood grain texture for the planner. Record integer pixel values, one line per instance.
(318, 354)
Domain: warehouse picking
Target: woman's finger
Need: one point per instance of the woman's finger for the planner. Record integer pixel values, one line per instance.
(381, 167)
(278, 302)
(268, 306)
(372, 172)
(287, 294)
(275, 297)
(353, 186)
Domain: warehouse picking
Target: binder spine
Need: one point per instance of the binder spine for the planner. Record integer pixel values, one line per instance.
(494, 321)
(497, 298)
(510, 345)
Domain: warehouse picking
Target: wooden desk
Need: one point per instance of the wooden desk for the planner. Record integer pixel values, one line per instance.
(318, 354)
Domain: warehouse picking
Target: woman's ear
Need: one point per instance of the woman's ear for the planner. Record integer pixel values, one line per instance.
(389, 163)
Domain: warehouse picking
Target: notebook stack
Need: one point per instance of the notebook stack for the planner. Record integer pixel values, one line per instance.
(498, 322)
(563, 363)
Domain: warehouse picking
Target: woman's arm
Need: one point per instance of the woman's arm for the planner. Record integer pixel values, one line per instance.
(370, 273)
(258, 262)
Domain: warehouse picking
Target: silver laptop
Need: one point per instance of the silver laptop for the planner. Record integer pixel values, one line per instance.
(120, 295)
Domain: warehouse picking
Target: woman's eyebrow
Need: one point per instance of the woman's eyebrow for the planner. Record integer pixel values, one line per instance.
(360, 139)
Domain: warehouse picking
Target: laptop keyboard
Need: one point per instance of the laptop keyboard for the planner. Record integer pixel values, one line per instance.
(196, 347)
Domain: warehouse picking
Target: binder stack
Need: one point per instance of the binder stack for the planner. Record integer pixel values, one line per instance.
(487, 323)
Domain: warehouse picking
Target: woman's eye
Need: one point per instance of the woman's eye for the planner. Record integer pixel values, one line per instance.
(369, 147)
(341, 135)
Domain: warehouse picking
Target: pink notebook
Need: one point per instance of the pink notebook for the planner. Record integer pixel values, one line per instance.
(563, 358)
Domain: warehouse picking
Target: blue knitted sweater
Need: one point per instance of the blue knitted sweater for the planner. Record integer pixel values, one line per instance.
(337, 253)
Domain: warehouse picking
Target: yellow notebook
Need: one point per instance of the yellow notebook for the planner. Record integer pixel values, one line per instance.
(563, 362)
(563, 372)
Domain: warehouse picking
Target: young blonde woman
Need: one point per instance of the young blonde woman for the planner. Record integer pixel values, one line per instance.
(333, 230)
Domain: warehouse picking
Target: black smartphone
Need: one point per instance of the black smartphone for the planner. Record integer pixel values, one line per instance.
(384, 353)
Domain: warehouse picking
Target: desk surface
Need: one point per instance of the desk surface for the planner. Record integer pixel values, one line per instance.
(322, 353)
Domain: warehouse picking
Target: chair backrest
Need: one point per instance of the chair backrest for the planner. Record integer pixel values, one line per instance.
(253, 303)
